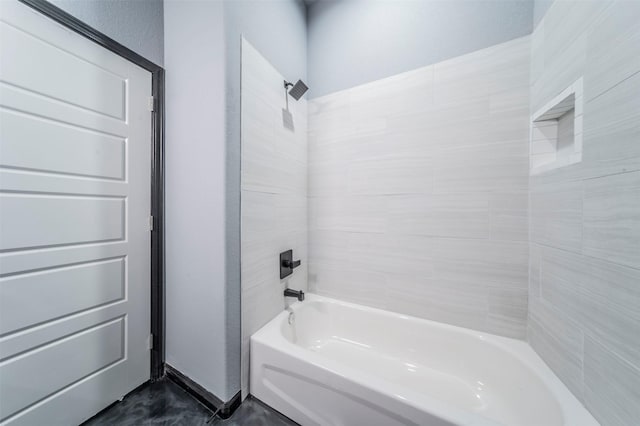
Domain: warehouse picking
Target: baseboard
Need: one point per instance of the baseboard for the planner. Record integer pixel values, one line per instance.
(225, 409)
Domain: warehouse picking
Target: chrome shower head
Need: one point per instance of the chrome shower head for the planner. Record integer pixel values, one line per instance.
(297, 90)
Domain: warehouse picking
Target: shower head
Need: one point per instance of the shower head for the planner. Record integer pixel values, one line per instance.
(297, 90)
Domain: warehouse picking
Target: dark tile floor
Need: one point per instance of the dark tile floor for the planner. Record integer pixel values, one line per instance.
(165, 403)
(253, 412)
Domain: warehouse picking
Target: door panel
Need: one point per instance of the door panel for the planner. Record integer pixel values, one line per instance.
(74, 288)
(96, 154)
(32, 377)
(90, 86)
(75, 197)
(68, 220)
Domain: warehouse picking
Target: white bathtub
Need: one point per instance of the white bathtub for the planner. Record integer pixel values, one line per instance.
(343, 364)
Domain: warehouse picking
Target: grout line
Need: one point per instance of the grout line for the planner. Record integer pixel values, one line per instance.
(609, 175)
(609, 349)
(613, 87)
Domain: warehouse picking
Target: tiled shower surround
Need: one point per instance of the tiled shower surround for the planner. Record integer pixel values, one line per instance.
(418, 191)
(274, 195)
(584, 296)
(420, 201)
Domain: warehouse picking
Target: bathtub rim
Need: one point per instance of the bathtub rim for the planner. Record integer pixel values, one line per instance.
(572, 410)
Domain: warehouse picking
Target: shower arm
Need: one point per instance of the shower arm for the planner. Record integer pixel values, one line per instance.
(286, 93)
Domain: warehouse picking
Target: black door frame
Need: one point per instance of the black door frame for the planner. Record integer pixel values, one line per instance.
(157, 167)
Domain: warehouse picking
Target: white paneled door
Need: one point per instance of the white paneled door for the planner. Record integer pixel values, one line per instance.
(75, 196)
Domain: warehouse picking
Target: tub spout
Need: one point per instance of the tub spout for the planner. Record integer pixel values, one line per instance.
(299, 294)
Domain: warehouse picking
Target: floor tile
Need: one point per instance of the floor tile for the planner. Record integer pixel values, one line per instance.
(167, 404)
(160, 403)
(253, 412)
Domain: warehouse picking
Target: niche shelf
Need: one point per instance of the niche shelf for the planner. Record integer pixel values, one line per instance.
(556, 131)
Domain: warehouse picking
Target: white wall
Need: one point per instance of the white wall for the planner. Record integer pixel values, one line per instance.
(584, 300)
(199, 341)
(352, 42)
(418, 191)
(136, 24)
(274, 195)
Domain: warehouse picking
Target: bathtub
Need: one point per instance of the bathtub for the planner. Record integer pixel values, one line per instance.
(327, 362)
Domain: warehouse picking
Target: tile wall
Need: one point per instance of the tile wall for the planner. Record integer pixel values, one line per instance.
(584, 294)
(273, 197)
(420, 201)
(418, 191)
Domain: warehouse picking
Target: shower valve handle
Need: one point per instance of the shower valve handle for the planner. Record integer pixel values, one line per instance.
(287, 264)
(291, 263)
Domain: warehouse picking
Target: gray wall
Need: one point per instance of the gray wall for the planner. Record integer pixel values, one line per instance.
(351, 42)
(137, 24)
(199, 342)
(203, 40)
(584, 289)
(540, 7)
(277, 29)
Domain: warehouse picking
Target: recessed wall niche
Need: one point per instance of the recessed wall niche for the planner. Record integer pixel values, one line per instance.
(556, 131)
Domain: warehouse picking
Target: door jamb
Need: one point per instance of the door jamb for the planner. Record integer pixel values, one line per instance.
(157, 167)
